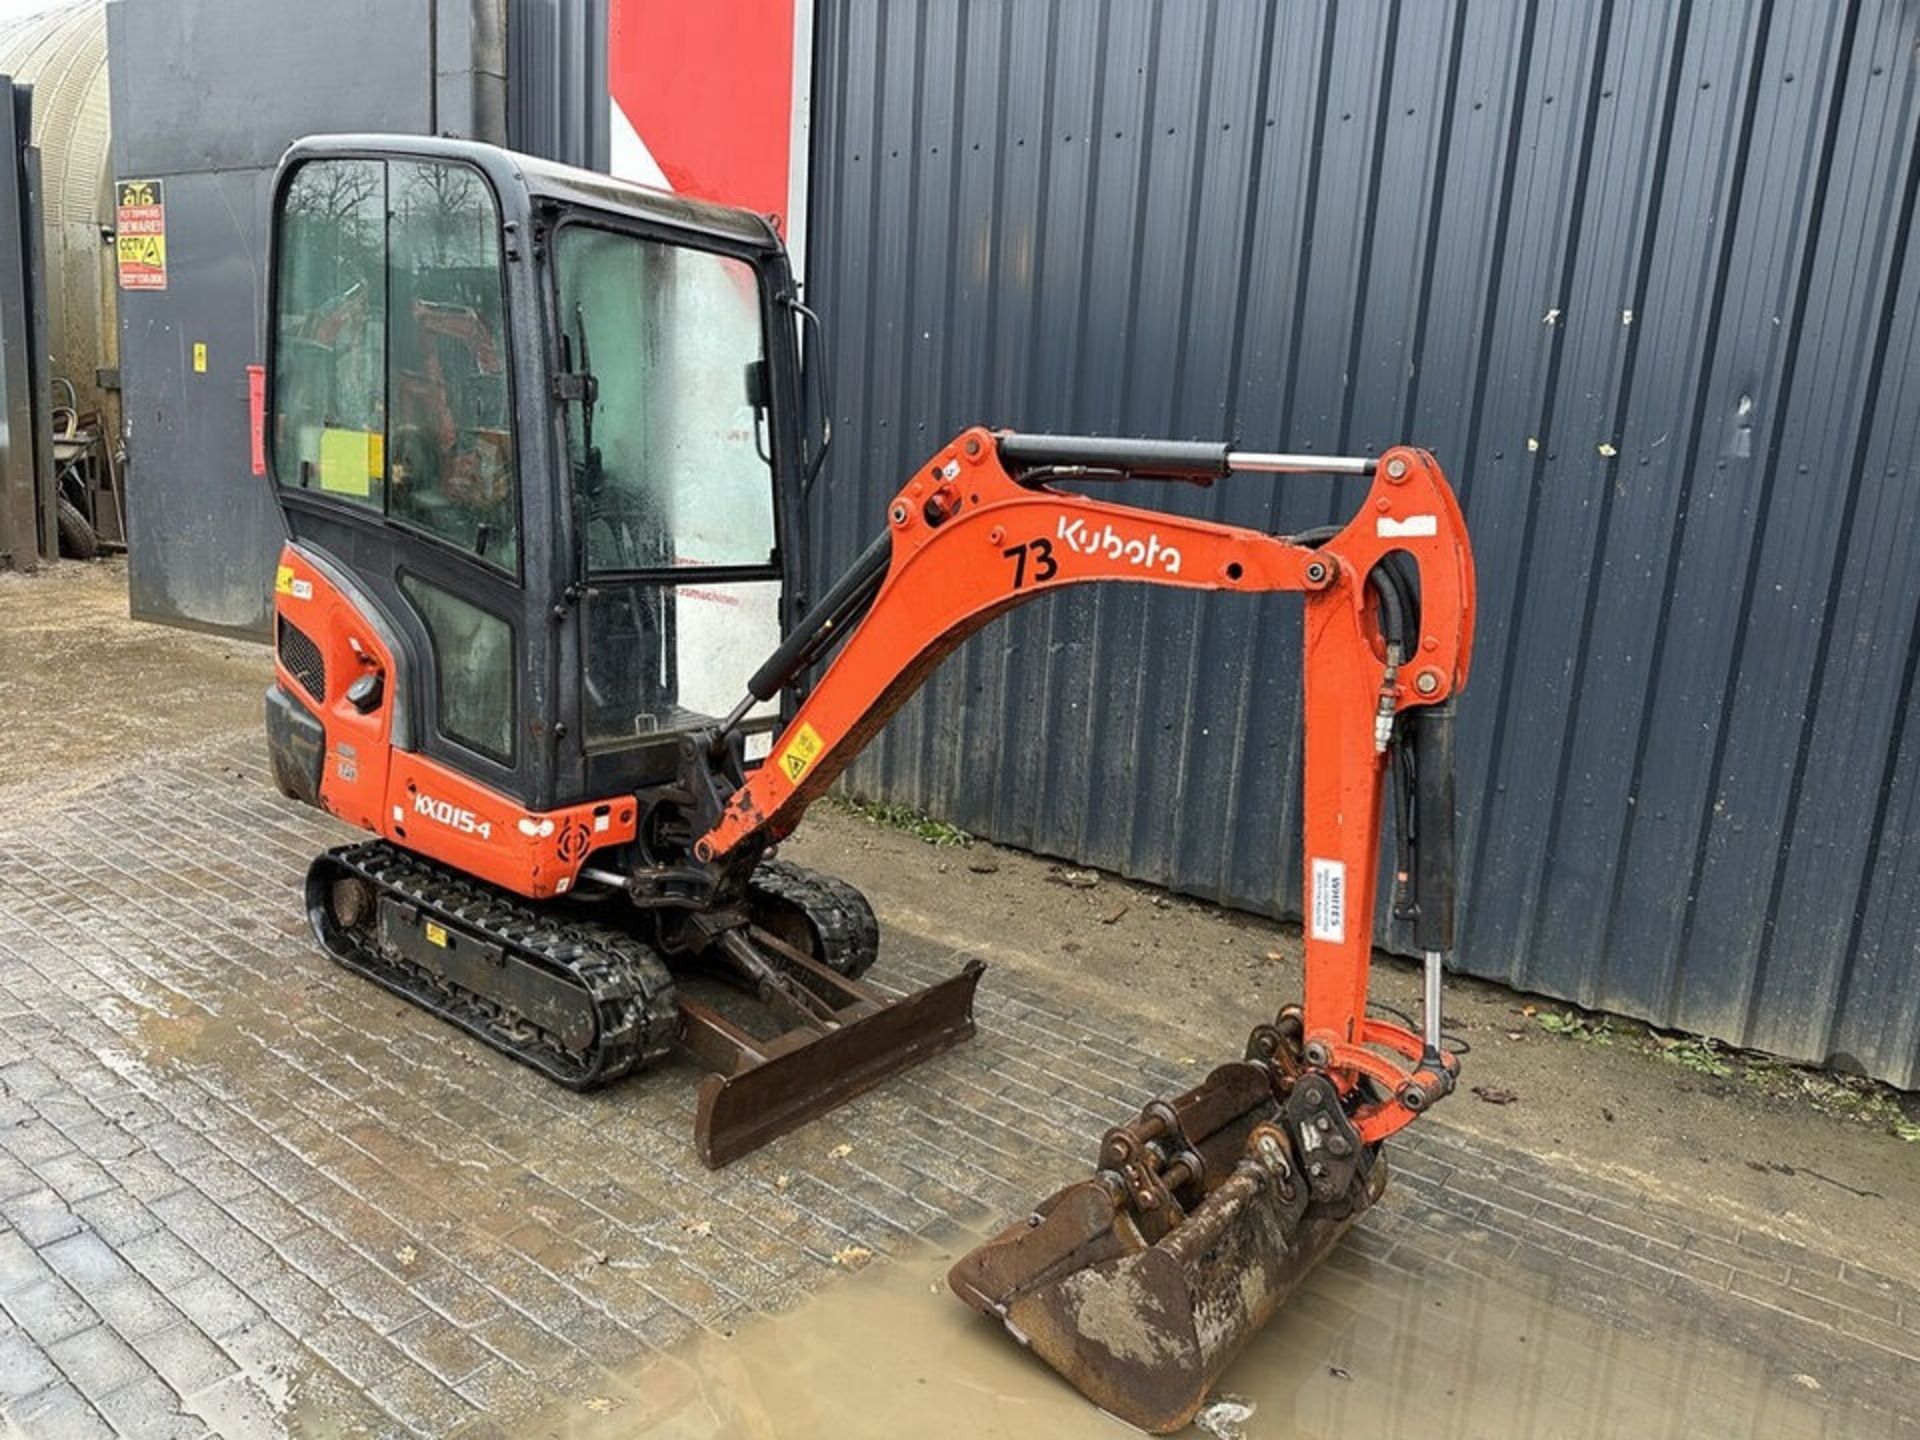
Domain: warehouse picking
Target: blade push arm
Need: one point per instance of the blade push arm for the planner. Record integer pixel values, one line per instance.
(967, 540)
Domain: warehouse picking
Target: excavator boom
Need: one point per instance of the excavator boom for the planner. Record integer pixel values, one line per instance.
(1141, 1283)
(979, 530)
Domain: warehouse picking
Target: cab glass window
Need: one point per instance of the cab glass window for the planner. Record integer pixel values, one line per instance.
(671, 462)
(330, 365)
(390, 377)
(472, 667)
(449, 433)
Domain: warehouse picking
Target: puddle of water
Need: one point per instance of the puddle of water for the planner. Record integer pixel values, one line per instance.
(167, 1035)
(890, 1352)
(1364, 1348)
(175, 1031)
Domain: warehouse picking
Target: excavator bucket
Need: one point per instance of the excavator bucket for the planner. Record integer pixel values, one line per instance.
(844, 1038)
(1141, 1284)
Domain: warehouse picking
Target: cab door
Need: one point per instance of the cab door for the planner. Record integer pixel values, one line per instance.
(393, 441)
(673, 450)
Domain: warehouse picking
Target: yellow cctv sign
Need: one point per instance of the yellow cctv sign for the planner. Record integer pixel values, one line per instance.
(140, 235)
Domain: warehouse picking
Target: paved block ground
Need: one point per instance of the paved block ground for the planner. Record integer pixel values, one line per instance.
(245, 1193)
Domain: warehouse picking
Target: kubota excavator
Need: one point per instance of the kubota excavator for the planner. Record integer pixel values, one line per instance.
(540, 441)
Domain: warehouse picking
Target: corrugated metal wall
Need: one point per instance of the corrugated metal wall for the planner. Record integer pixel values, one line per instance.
(557, 80)
(1641, 274)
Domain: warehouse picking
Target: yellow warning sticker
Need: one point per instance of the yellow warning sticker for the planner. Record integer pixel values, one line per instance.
(801, 752)
(285, 582)
(436, 935)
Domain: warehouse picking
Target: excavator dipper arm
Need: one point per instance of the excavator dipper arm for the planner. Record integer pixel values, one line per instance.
(978, 531)
(1140, 1283)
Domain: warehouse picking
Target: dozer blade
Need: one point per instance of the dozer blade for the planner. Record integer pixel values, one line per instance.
(1141, 1284)
(847, 1039)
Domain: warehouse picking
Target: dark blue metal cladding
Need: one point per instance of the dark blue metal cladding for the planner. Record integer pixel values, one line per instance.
(557, 80)
(1642, 275)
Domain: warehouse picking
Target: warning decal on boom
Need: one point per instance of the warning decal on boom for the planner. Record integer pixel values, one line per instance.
(798, 755)
(140, 226)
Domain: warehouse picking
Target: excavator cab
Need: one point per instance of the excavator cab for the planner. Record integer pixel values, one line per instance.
(539, 440)
(537, 437)
(553, 424)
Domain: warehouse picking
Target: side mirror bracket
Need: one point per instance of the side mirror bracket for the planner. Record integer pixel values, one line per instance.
(814, 367)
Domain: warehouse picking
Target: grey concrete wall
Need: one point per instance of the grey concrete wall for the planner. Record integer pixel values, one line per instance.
(206, 96)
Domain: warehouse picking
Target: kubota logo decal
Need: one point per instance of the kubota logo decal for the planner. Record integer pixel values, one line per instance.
(1147, 553)
(445, 812)
(1034, 563)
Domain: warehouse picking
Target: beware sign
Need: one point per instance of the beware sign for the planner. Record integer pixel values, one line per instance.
(140, 226)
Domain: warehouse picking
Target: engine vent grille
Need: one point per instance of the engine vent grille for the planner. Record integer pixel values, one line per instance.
(302, 659)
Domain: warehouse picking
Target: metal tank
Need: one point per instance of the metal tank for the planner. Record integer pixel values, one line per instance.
(62, 53)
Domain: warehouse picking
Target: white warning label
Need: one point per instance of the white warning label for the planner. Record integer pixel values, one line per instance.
(1329, 904)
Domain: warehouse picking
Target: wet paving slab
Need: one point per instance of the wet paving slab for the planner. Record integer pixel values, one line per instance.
(245, 1193)
(1409, 1345)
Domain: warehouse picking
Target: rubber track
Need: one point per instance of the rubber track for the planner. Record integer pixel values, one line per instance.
(846, 934)
(636, 1014)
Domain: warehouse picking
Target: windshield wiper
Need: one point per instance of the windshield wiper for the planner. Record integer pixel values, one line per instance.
(582, 385)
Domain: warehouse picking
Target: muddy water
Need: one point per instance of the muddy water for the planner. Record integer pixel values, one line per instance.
(1365, 1349)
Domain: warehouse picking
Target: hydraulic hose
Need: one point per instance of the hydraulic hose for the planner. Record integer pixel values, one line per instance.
(1391, 586)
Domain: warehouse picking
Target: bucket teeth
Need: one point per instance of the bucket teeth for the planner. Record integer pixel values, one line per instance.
(1141, 1313)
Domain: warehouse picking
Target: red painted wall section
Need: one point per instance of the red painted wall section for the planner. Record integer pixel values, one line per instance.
(708, 87)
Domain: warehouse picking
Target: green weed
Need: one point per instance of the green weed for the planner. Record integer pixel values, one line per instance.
(1849, 1097)
(916, 823)
(1593, 1031)
(1703, 1057)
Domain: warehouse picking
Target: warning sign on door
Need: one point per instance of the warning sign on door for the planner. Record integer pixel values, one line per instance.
(140, 227)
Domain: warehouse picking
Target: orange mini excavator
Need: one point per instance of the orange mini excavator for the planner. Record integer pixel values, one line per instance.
(541, 443)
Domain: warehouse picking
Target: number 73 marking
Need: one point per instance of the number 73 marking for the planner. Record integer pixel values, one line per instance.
(1045, 567)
